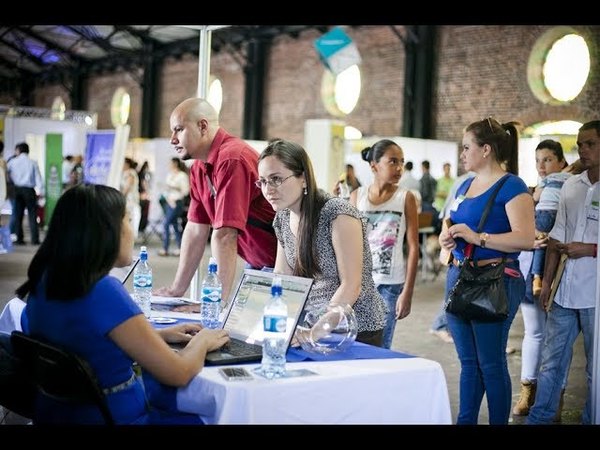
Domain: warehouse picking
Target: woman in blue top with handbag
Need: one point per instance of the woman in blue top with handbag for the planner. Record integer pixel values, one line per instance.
(489, 149)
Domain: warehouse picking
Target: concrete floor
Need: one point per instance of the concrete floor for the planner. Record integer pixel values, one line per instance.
(412, 334)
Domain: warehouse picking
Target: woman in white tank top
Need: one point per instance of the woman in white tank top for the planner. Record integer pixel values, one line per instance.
(392, 214)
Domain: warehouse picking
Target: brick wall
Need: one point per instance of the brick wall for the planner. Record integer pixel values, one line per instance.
(100, 93)
(44, 96)
(101, 89)
(178, 81)
(293, 88)
(231, 74)
(481, 71)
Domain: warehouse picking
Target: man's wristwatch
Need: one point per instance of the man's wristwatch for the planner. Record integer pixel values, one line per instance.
(483, 237)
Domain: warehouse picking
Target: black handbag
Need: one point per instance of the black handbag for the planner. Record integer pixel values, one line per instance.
(479, 292)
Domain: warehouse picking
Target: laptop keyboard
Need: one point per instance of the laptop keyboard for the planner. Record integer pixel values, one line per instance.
(240, 348)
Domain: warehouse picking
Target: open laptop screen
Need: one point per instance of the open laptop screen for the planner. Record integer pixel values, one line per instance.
(244, 318)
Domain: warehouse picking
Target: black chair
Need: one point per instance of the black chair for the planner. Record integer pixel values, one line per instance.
(59, 374)
(17, 393)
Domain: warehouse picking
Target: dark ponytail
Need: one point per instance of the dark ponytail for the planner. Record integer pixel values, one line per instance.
(367, 154)
(377, 150)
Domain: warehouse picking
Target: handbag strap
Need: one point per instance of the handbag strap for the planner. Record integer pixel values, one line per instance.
(490, 203)
(470, 248)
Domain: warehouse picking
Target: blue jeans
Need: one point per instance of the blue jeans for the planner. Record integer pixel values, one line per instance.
(390, 294)
(562, 328)
(481, 348)
(172, 220)
(544, 221)
(539, 259)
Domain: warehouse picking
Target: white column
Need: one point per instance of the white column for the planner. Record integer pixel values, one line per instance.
(595, 395)
(203, 76)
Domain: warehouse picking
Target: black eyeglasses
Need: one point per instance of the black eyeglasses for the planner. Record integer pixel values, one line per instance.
(274, 181)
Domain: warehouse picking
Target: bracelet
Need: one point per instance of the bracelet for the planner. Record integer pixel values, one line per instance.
(483, 237)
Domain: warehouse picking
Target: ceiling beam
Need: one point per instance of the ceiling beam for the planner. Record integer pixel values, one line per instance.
(34, 59)
(49, 44)
(232, 39)
(142, 35)
(89, 33)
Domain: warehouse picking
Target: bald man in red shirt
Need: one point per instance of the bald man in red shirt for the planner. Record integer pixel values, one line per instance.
(223, 196)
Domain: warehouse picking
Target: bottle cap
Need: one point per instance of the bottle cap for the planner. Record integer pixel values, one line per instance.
(276, 288)
(212, 264)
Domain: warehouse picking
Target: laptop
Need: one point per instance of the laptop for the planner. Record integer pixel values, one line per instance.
(244, 317)
(124, 273)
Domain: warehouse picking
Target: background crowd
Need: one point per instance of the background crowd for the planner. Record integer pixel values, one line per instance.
(361, 249)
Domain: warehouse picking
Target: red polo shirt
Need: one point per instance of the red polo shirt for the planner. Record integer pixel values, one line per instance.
(233, 200)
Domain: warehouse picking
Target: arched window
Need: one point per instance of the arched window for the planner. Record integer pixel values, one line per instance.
(351, 132)
(340, 93)
(119, 107)
(215, 93)
(559, 66)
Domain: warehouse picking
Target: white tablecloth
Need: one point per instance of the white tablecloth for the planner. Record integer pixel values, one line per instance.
(364, 391)
(367, 391)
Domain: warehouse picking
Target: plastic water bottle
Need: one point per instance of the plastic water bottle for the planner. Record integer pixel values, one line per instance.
(211, 297)
(142, 282)
(274, 322)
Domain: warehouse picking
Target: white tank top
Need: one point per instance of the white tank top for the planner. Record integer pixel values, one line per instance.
(386, 231)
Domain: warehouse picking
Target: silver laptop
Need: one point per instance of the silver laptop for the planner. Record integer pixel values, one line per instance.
(244, 318)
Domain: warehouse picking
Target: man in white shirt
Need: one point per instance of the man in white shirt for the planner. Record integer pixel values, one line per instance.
(26, 176)
(575, 235)
(407, 181)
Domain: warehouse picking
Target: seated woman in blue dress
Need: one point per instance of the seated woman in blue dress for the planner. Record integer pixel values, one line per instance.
(72, 302)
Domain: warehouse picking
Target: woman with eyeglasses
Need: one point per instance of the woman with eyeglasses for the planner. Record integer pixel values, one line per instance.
(489, 149)
(322, 237)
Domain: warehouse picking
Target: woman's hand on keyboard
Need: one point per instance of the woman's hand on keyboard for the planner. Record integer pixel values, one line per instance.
(180, 333)
(213, 339)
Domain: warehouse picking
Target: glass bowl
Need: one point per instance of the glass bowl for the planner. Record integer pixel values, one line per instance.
(328, 329)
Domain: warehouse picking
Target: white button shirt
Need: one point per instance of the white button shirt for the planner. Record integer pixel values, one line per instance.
(24, 172)
(577, 221)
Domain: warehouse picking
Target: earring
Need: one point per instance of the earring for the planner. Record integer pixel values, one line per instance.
(305, 190)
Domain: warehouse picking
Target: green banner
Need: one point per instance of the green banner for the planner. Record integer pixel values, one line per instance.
(53, 173)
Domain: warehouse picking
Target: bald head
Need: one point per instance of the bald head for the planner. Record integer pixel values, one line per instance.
(196, 109)
(194, 125)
